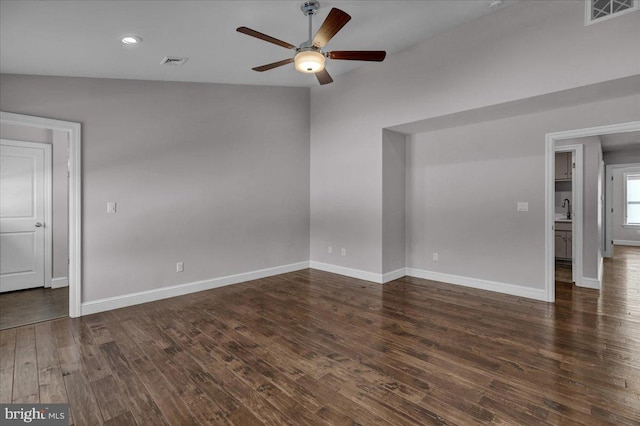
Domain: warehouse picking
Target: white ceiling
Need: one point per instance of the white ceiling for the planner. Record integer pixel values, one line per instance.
(82, 38)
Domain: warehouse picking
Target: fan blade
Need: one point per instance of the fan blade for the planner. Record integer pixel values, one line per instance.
(358, 55)
(324, 77)
(334, 22)
(273, 65)
(261, 36)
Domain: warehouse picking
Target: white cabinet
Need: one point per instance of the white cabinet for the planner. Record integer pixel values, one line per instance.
(564, 166)
(564, 241)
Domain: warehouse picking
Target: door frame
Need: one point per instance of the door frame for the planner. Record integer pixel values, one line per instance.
(75, 196)
(48, 215)
(577, 194)
(610, 168)
(550, 140)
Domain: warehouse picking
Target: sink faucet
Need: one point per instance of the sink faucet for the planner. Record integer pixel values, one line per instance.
(566, 203)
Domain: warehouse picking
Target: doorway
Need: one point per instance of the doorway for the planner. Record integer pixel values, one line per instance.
(569, 163)
(72, 132)
(34, 247)
(551, 142)
(618, 232)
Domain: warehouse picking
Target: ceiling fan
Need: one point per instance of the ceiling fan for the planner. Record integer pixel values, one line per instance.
(309, 57)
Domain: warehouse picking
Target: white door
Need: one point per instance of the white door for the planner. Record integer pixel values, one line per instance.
(23, 207)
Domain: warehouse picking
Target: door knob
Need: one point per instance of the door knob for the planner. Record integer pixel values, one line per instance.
(38, 224)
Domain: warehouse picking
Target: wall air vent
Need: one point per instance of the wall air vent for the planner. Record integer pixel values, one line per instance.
(601, 10)
(174, 60)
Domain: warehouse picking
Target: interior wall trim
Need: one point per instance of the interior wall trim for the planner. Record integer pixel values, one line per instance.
(394, 275)
(626, 243)
(511, 289)
(125, 300)
(514, 290)
(347, 272)
(590, 283)
(60, 282)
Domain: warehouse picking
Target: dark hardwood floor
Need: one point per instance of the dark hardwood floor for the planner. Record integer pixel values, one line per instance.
(30, 306)
(315, 348)
(564, 272)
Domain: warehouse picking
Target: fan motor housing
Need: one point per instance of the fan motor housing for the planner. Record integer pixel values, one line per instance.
(310, 7)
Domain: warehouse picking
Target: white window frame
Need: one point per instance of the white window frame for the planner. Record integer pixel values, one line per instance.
(587, 12)
(625, 203)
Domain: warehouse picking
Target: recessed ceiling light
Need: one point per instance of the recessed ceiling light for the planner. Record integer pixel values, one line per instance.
(131, 39)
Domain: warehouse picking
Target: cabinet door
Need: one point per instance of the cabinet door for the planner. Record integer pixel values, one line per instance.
(561, 244)
(562, 172)
(569, 245)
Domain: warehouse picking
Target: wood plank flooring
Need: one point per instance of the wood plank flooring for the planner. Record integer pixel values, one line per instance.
(564, 272)
(313, 348)
(34, 305)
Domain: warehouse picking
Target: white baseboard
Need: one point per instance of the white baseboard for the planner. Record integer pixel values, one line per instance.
(394, 275)
(348, 272)
(514, 290)
(60, 282)
(123, 301)
(116, 302)
(589, 283)
(626, 243)
(531, 293)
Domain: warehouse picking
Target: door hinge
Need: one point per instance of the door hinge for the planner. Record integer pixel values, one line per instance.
(611, 209)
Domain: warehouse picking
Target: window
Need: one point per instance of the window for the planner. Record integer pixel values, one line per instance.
(600, 10)
(632, 199)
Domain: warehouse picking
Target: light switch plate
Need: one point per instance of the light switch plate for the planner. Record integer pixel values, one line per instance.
(523, 206)
(111, 206)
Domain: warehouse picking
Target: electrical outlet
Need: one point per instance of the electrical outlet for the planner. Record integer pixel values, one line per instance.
(330, 250)
(111, 206)
(180, 267)
(343, 252)
(436, 257)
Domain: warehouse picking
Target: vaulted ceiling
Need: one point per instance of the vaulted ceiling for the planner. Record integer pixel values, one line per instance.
(82, 38)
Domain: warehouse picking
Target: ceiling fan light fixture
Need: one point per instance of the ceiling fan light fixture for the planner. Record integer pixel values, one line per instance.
(131, 39)
(309, 61)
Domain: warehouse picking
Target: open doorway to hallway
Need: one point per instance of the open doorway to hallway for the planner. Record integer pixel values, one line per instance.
(34, 235)
(62, 225)
(602, 147)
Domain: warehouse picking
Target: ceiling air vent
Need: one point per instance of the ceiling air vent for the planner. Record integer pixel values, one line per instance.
(600, 10)
(174, 60)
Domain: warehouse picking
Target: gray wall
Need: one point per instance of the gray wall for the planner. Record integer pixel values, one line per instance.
(393, 201)
(60, 189)
(463, 185)
(622, 157)
(525, 50)
(216, 176)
